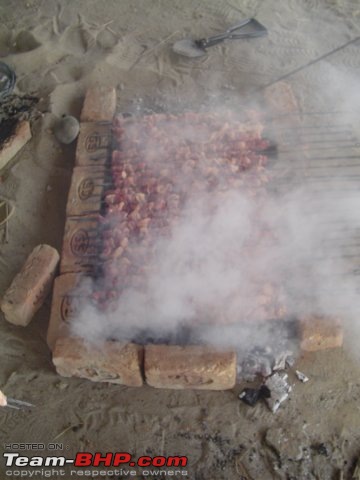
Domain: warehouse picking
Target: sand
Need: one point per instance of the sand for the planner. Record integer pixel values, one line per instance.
(57, 49)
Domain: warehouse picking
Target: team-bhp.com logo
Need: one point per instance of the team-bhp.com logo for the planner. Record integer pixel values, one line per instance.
(85, 459)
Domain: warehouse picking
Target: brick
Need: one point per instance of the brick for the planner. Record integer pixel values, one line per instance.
(15, 143)
(320, 333)
(93, 145)
(184, 367)
(85, 191)
(31, 285)
(99, 104)
(66, 303)
(112, 362)
(80, 249)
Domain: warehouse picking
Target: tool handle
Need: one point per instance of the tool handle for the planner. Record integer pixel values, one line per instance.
(247, 35)
(211, 41)
(231, 34)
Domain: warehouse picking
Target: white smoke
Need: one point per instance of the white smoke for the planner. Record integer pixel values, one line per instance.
(233, 261)
(236, 259)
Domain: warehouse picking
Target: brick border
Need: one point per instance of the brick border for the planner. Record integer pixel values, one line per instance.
(113, 362)
(189, 367)
(163, 366)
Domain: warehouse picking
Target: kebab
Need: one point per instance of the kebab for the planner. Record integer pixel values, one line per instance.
(161, 162)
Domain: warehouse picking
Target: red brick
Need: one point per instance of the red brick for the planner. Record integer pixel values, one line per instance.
(93, 145)
(31, 285)
(85, 191)
(15, 143)
(80, 249)
(99, 104)
(112, 362)
(320, 333)
(184, 367)
(66, 304)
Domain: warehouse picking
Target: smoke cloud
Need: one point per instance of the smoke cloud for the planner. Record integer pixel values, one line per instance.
(234, 261)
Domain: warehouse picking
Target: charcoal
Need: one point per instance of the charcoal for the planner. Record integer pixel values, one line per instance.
(321, 449)
(251, 396)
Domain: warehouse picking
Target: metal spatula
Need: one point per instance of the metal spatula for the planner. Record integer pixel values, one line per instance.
(197, 48)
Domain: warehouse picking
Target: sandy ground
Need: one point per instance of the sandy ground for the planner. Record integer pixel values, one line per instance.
(58, 48)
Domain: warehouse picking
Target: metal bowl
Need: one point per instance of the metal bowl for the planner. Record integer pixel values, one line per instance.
(7, 80)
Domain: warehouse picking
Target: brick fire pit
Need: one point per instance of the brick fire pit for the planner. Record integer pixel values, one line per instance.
(161, 366)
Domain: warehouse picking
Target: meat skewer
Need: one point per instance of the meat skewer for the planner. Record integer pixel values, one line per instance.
(160, 164)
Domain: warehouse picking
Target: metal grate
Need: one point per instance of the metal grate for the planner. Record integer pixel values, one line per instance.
(321, 153)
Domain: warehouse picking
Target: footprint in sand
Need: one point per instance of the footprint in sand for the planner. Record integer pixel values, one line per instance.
(67, 73)
(77, 40)
(25, 41)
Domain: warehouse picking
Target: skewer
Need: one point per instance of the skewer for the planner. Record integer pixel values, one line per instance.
(13, 403)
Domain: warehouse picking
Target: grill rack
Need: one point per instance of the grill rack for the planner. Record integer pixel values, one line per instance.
(300, 142)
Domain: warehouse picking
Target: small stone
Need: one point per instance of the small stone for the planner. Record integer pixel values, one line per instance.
(67, 129)
(61, 385)
(301, 376)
